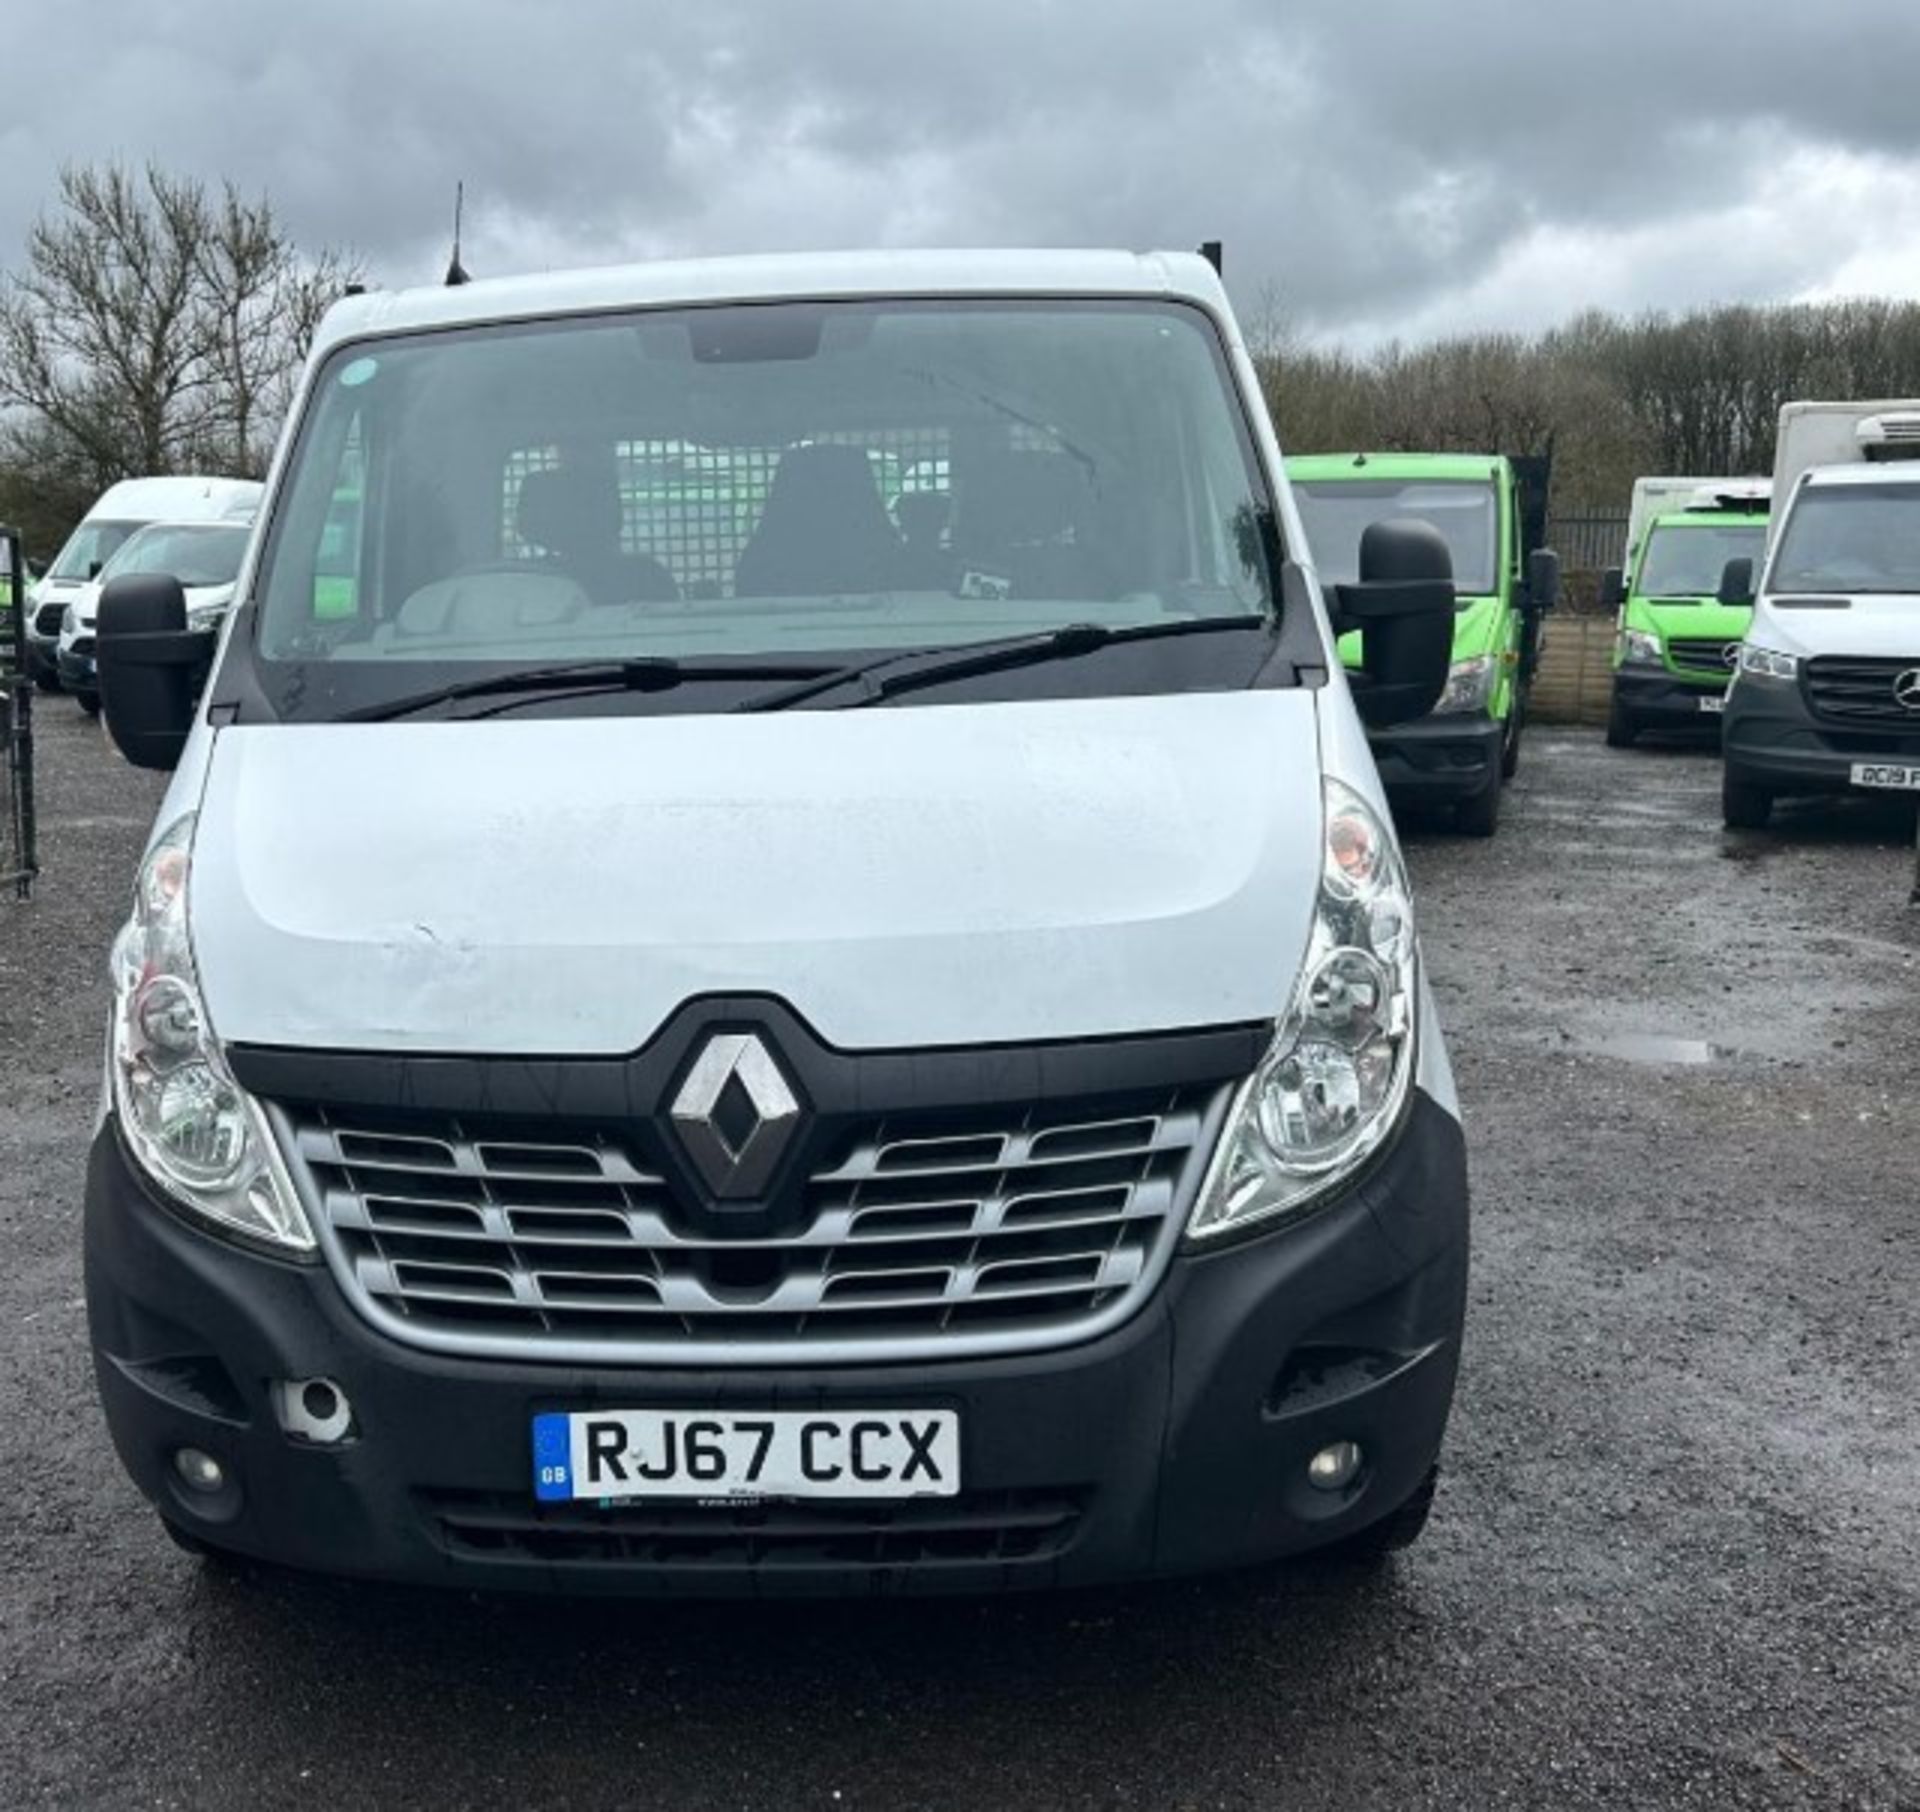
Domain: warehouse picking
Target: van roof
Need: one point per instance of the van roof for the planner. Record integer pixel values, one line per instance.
(180, 498)
(1441, 467)
(1887, 472)
(1182, 276)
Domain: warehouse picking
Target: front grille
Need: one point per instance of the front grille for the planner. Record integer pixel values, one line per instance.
(1703, 654)
(976, 1527)
(46, 620)
(1007, 1228)
(1847, 689)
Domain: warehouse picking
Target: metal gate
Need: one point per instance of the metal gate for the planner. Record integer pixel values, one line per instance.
(19, 861)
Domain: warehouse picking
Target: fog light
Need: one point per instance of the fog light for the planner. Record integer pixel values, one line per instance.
(199, 1471)
(1334, 1468)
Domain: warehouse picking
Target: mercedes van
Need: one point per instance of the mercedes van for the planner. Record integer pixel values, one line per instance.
(729, 1050)
(1677, 643)
(1462, 754)
(1827, 697)
(120, 511)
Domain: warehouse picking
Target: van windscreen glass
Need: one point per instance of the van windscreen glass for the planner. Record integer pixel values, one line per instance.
(91, 545)
(1686, 561)
(1850, 538)
(1337, 512)
(780, 481)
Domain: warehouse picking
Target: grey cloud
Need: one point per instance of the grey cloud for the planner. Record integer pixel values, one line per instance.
(1369, 162)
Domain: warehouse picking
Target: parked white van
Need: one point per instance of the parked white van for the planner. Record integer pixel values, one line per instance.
(117, 513)
(678, 1040)
(1827, 696)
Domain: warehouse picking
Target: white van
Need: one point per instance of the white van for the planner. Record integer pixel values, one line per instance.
(1827, 696)
(678, 1040)
(118, 511)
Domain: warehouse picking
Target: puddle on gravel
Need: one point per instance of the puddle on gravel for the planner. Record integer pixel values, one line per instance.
(1653, 1047)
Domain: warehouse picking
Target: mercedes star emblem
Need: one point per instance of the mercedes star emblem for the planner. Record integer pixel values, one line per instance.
(735, 1114)
(1906, 689)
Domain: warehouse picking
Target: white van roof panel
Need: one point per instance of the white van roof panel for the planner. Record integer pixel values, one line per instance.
(782, 277)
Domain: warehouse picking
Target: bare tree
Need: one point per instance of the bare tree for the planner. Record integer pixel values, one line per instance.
(157, 326)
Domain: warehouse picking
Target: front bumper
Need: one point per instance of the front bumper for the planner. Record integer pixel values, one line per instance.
(1447, 757)
(1770, 738)
(1176, 1443)
(43, 656)
(1661, 701)
(76, 672)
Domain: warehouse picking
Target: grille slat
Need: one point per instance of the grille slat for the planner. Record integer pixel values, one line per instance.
(1037, 1222)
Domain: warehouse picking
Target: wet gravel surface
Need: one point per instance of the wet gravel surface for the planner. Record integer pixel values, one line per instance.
(1676, 1559)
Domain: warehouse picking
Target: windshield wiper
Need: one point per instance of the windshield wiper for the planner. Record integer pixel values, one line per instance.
(970, 658)
(647, 673)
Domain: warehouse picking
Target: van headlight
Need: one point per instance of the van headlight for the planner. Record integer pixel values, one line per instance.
(1469, 685)
(1330, 1090)
(1637, 648)
(1767, 663)
(193, 1129)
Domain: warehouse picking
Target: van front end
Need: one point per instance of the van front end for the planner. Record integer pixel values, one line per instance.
(761, 975)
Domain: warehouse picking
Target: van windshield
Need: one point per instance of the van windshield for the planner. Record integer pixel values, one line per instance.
(1850, 538)
(91, 545)
(774, 481)
(1337, 512)
(197, 554)
(1685, 561)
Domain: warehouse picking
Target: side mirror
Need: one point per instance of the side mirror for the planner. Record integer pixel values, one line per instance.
(1613, 588)
(1736, 581)
(1543, 579)
(1403, 607)
(151, 665)
(93, 570)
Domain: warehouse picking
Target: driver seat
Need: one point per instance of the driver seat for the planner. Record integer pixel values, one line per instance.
(572, 515)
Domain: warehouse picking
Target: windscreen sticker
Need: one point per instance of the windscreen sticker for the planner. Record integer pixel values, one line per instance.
(358, 372)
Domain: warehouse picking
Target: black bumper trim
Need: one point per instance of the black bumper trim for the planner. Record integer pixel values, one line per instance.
(1771, 739)
(1663, 701)
(1447, 757)
(1180, 1439)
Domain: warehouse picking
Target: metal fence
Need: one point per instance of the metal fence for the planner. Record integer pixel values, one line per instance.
(19, 861)
(1588, 541)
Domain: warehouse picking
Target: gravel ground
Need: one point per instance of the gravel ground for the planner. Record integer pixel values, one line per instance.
(1676, 1559)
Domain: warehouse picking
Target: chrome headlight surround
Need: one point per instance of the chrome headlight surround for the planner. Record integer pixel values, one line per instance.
(200, 1137)
(1334, 1083)
(1641, 648)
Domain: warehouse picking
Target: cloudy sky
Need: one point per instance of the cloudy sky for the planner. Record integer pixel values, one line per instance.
(1399, 167)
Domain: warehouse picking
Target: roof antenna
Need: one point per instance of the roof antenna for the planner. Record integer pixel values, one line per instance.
(456, 271)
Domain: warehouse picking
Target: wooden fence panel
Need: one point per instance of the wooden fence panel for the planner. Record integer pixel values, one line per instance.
(1574, 679)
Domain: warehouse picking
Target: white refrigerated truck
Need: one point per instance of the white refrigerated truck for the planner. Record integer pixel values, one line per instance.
(1827, 696)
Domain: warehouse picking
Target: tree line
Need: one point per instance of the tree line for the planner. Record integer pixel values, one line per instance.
(1608, 398)
(157, 324)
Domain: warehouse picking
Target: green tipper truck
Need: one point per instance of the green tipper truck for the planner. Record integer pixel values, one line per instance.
(1491, 511)
(1678, 643)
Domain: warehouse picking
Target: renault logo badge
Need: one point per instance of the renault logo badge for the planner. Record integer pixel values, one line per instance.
(1906, 689)
(735, 1115)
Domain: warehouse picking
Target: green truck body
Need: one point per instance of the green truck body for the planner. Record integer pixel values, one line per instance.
(1676, 644)
(1463, 751)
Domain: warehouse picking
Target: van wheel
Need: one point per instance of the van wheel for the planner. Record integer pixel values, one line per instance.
(1743, 805)
(1477, 815)
(1398, 1529)
(89, 702)
(1621, 729)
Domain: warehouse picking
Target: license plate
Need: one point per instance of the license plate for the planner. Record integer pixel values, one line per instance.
(1715, 702)
(1895, 776)
(678, 1453)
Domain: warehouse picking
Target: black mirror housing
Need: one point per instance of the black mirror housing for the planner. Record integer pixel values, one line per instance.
(1403, 607)
(151, 666)
(1613, 588)
(1736, 582)
(1543, 579)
